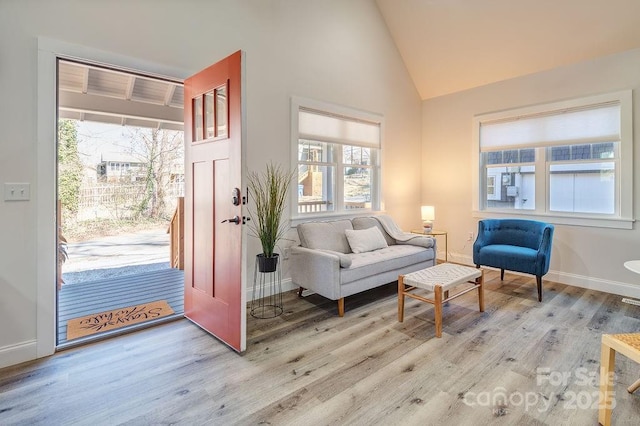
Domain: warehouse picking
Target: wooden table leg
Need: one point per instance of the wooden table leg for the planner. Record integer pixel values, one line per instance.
(607, 365)
(438, 309)
(401, 298)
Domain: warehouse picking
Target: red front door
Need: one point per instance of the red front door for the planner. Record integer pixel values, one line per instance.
(213, 125)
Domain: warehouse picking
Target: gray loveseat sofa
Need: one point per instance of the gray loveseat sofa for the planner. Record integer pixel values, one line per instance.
(326, 264)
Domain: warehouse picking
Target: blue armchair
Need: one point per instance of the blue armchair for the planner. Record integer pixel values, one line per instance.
(516, 245)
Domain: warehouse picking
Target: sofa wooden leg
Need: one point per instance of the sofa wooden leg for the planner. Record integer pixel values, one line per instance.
(501, 274)
(300, 290)
(401, 298)
(341, 307)
(539, 282)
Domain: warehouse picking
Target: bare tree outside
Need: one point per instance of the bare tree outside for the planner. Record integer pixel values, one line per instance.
(161, 151)
(129, 178)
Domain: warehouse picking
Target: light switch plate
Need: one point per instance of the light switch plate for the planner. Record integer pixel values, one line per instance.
(17, 191)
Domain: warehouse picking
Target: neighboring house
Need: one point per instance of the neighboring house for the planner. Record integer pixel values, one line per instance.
(120, 167)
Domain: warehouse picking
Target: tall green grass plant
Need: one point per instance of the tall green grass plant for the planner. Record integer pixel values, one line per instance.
(269, 193)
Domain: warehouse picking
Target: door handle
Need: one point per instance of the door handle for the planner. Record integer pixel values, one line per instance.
(235, 219)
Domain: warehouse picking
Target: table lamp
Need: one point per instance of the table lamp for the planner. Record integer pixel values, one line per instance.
(428, 216)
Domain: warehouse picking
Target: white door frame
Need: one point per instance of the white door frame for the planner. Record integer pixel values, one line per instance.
(48, 52)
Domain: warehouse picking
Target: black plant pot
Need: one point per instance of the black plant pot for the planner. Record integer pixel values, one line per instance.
(267, 264)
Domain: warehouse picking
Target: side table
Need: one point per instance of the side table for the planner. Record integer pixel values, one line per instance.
(434, 234)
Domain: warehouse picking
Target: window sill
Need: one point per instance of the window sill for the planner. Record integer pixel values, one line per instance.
(617, 223)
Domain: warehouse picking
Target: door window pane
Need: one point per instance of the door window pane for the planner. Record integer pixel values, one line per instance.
(221, 111)
(197, 119)
(208, 114)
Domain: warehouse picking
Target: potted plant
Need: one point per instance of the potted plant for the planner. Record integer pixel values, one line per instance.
(269, 193)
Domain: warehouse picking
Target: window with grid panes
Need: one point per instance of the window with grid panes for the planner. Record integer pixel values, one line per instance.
(337, 158)
(571, 159)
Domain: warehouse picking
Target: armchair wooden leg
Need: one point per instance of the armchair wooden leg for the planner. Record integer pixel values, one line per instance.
(501, 274)
(539, 282)
(300, 290)
(341, 307)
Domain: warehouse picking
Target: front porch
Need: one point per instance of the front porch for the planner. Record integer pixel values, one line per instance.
(85, 298)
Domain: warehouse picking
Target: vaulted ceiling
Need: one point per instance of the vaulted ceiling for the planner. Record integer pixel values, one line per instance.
(454, 45)
(446, 45)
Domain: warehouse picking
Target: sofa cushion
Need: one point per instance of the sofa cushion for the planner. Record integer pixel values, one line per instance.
(325, 235)
(363, 240)
(387, 259)
(368, 222)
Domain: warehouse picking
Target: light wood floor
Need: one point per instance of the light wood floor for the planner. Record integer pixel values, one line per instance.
(519, 363)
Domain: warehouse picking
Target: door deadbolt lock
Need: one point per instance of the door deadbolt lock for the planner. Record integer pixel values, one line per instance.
(236, 197)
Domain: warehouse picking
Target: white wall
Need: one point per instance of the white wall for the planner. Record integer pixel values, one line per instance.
(331, 50)
(583, 256)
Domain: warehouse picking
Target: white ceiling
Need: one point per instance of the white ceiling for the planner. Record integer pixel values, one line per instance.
(454, 45)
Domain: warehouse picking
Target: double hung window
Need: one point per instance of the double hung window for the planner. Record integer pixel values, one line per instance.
(337, 157)
(570, 161)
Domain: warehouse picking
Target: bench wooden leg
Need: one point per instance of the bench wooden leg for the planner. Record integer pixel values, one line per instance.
(634, 386)
(480, 282)
(401, 298)
(607, 365)
(438, 310)
(341, 307)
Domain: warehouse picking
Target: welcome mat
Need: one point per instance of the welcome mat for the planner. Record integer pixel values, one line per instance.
(111, 320)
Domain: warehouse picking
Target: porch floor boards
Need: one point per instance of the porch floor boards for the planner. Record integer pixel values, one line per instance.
(92, 297)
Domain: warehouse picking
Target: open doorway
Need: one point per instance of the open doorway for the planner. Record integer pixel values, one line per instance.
(120, 184)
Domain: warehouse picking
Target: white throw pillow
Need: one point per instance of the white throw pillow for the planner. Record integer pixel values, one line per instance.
(363, 240)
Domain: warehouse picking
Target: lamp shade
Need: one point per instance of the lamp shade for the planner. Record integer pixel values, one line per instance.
(428, 213)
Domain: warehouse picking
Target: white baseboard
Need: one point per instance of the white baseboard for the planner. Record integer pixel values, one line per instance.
(582, 281)
(18, 353)
(607, 286)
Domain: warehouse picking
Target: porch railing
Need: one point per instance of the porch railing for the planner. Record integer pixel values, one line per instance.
(176, 236)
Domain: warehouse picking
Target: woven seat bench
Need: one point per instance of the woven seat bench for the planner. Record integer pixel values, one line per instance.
(626, 344)
(440, 279)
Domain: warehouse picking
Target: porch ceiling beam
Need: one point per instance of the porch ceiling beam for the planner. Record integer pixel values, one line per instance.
(85, 80)
(94, 104)
(130, 84)
(169, 95)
